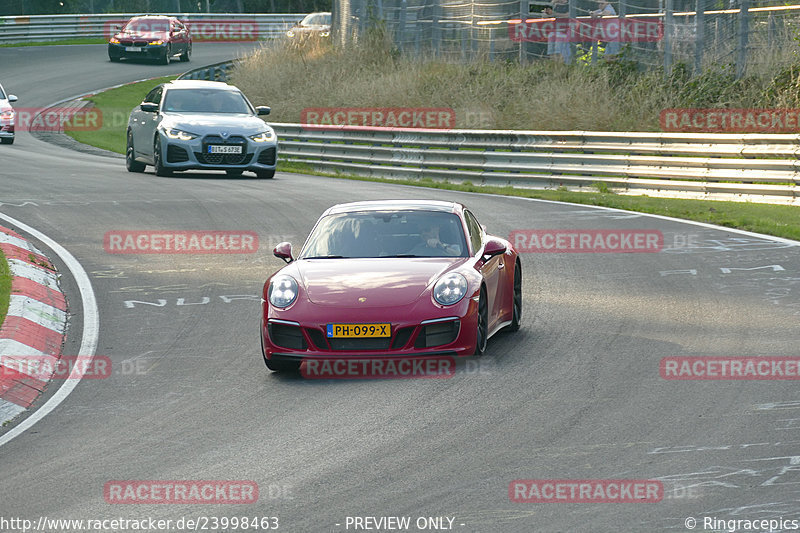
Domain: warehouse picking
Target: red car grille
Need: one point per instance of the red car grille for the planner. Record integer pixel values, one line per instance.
(128, 42)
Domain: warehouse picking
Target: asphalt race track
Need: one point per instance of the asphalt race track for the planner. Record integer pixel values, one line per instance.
(575, 395)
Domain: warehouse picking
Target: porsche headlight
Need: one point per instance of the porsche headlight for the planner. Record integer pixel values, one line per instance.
(263, 137)
(181, 135)
(450, 289)
(7, 115)
(290, 33)
(114, 40)
(325, 33)
(282, 291)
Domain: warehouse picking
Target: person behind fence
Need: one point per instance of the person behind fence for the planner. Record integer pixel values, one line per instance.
(558, 45)
(607, 10)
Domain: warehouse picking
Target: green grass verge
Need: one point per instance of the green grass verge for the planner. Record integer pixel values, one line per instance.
(778, 220)
(5, 287)
(97, 40)
(115, 106)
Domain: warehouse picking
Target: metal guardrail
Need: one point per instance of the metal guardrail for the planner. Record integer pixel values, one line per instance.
(761, 167)
(34, 28)
(745, 167)
(216, 72)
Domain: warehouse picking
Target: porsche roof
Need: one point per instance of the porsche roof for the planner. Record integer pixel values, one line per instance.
(395, 205)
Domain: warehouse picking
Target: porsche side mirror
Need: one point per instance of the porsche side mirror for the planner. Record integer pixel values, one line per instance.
(493, 247)
(284, 251)
(149, 107)
(12, 97)
(263, 110)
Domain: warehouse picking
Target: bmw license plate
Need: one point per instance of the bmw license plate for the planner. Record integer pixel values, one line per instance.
(359, 331)
(224, 149)
(133, 48)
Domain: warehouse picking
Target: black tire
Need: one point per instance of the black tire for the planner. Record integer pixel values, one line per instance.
(482, 337)
(517, 316)
(7, 140)
(266, 174)
(233, 173)
(113, 59)
(187, 54)
(158, 160)
(130, 163)
(167, 55)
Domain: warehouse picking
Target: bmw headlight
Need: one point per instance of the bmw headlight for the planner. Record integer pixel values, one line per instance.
(181, 135)
(450, 289)
(114, 40)
(282, 291)
(263, 137)
(156, 43)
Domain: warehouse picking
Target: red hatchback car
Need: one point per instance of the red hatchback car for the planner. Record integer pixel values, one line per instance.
(397, 278)
(155, 37)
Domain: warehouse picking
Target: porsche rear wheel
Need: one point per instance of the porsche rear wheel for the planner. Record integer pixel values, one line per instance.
(482, 336)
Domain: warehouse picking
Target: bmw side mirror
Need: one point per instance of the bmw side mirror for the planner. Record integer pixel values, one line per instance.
(284, 251)
(149, 107)
(12, 98)
(263, 110)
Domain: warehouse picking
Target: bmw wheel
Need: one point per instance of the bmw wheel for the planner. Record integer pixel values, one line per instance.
(130, 163)
(158, 160)
(267, 174)
(167, 55)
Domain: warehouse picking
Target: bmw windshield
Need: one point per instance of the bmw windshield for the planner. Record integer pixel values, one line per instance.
(205, 101)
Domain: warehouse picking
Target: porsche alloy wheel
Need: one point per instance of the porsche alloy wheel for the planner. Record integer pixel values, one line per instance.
(482, 336)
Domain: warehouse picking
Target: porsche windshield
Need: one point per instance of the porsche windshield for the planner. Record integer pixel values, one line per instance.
(205, 101)
(387, 234)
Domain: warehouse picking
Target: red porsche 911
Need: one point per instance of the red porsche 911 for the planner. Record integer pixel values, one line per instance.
(397, 278)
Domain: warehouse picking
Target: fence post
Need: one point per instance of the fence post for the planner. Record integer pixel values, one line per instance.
(523, 16)
(401, 31)
(699, 36)
(572, 14)
(437, 29)
(741, 45)
(668, 37)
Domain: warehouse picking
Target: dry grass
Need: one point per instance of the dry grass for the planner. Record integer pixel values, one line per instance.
(543, 95)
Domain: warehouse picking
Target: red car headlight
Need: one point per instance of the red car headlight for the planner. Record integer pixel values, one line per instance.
(450, 289)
